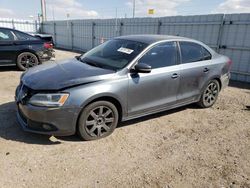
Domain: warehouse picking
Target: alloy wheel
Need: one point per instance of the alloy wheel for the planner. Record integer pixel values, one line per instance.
(28, 60)
(99, 121)
(211, 94)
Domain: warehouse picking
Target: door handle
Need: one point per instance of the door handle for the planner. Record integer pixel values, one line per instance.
(206, 69)
(175, 75)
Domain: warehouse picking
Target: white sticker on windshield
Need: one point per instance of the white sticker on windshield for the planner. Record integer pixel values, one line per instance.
(125, 50)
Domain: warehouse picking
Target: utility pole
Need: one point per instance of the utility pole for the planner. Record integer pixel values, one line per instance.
(43, 10)
(133, 8)
(53, 13)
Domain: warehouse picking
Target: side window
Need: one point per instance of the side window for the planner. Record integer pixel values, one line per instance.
(162, 55)
(192, 52)
(6, 35)
(24, 36)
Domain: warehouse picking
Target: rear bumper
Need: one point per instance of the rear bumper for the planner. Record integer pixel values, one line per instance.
(58, 121)
(46, 55)
(225, 80)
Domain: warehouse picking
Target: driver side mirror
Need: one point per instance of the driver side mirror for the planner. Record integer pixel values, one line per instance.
(142, 68)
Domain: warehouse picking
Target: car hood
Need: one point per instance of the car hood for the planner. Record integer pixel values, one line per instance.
(60, 75)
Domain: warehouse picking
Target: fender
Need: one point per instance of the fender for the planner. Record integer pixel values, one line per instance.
(217, 77)
(110, 95)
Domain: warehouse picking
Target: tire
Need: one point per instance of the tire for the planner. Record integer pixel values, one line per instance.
(210, 94)
(97, 120)
(26, 60)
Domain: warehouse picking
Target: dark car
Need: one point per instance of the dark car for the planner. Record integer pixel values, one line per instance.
(124, 78)
(22, 49)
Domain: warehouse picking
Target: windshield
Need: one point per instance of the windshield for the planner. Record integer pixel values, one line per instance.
(114, 54)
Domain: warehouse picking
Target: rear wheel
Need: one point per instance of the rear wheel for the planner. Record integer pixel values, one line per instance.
(98, 120)
(210, 94)
(26, 60)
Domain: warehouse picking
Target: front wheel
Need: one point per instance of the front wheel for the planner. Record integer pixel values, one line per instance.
(98, 120)
(210, 94)
(26, 60)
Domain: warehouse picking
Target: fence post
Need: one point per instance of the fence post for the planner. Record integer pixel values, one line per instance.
(41, 27)
(93, 34)
(72, 35)
(36, 29)
(54, 29)
(120, 29)
(220, 33)
(13, 24)
(159, 27)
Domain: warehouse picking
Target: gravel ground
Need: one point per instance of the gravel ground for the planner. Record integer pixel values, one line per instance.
(186, 147)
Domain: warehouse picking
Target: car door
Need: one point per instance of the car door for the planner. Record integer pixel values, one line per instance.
(155, 90)
(6, 47)
(195, 70)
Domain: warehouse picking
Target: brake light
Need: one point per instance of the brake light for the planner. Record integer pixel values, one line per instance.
(229, 64)
(48, 45)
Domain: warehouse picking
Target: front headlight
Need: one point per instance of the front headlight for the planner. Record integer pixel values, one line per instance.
(49, 100)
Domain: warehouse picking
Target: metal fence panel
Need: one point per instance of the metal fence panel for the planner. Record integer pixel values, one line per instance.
(105, 30)
(228, 34)
(235, 40)
(132, 26)
(204, 27)
(82, 34)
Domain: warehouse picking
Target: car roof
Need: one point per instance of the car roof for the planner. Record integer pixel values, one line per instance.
(149, 39)
(6, 28)
(11, 29)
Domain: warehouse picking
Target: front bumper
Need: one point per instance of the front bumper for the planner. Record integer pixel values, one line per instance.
(50, 121)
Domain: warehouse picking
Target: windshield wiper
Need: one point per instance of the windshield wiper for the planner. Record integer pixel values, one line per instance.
(93, 64)
(90, 63)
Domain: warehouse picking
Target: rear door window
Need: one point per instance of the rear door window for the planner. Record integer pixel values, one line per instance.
(6, 35)
(193, 52)
(24, 36)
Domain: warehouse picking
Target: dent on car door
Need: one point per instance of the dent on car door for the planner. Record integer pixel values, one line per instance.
(6, 47)
(151, 91)
(195, 70)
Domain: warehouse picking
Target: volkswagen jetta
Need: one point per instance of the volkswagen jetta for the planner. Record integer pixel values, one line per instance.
(124, 78)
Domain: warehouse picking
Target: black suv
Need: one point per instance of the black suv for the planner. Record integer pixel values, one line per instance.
(22, 49)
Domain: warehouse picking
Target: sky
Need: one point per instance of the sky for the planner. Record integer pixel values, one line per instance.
(87, 9)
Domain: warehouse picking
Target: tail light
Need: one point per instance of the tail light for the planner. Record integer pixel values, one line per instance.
(48, 45)
(229, 63)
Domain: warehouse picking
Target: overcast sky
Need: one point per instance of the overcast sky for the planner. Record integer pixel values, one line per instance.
(80, 9)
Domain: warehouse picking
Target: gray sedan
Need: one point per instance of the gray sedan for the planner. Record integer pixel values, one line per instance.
(122, 79)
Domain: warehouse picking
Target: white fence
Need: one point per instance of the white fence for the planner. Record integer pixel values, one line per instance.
(30, 26)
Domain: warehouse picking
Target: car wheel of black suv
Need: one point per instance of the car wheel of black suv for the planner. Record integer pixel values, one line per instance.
(97, 120)
(210, 94)
(26, 60)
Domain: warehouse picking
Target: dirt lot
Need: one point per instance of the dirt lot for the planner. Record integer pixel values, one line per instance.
(187, 147)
